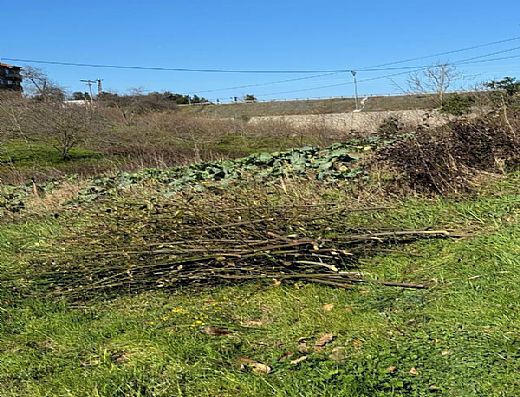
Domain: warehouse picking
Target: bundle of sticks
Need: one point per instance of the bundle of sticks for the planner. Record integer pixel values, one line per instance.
(131, 247)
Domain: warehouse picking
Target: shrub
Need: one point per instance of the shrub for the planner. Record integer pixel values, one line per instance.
(389, 127)
(457, 104)
(446, 159)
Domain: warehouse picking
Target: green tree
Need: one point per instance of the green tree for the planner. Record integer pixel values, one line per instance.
(81, 96)
(509, 85)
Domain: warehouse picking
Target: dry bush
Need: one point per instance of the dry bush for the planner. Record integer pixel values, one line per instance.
(51, 122)
(446, 159)
(55, 200)
(65, 127)
(174, 138)
(13, 110)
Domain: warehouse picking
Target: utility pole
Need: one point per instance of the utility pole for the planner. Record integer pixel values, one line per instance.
(89, 83)
(355, 87)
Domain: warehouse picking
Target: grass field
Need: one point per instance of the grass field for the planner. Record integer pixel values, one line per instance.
(111, 285)
(460, 337)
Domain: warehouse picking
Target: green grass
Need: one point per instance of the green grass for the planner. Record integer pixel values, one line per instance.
(233, 145)
(21, 153)
(20, 161)
(458, 338)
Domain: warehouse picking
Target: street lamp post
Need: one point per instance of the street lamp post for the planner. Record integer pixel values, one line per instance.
(355, 87)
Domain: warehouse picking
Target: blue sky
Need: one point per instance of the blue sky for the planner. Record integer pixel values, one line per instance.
(268, 34)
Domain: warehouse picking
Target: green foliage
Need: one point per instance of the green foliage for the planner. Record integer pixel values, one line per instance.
(457, 104)
(330, 164)
(510, 85)
(80, 96)
(153, 101)
(22, 154)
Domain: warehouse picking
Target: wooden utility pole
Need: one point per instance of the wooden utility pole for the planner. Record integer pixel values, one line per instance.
(89, 83)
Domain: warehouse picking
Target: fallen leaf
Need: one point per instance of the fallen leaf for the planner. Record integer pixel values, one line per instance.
(349, 309)
(338, 354)
(215, 331)
(276, 282)
(260, 368)
(253, 323)
(413, 371)
(302, 344)
(298, 360)
(328, 307)
(357, 343)
(445, 353)
(254, 366)
(119, 357)
(391, 369)
(324, 340)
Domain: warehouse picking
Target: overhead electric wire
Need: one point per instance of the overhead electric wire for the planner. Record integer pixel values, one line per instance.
(168, 69)
(409, 69)
(444, 53)
(490, 60)
(322, 73)
(341, 84)
(380, 67)
(267, 83)
(467, 61)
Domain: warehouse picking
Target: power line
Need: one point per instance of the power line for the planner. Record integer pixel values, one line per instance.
(466, 61)
(445, 53)
(168, 69)
(489, 60)
(381, 67)
(267, 83)
(342, 84)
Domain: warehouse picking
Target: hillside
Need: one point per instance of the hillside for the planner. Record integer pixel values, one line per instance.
(319, 106)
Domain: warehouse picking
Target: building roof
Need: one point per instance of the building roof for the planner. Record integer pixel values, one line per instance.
(5, 65)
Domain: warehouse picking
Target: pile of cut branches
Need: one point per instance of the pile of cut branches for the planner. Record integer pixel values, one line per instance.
(130, 245)
(447, 159)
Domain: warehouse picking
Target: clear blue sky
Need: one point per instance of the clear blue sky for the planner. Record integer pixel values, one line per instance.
(267, 34)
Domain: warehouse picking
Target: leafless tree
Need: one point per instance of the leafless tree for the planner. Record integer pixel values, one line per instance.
(436, 79)
(12, 111)
(65, 127)
(40, 86)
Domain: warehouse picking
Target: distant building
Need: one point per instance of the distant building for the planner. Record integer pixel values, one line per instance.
(10, 77)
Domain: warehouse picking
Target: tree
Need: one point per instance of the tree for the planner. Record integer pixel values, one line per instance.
(250, 98)
(40, 86)
(509, 85)
(80, 96)
(63, 126)
(12, 109)
(436, 78)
